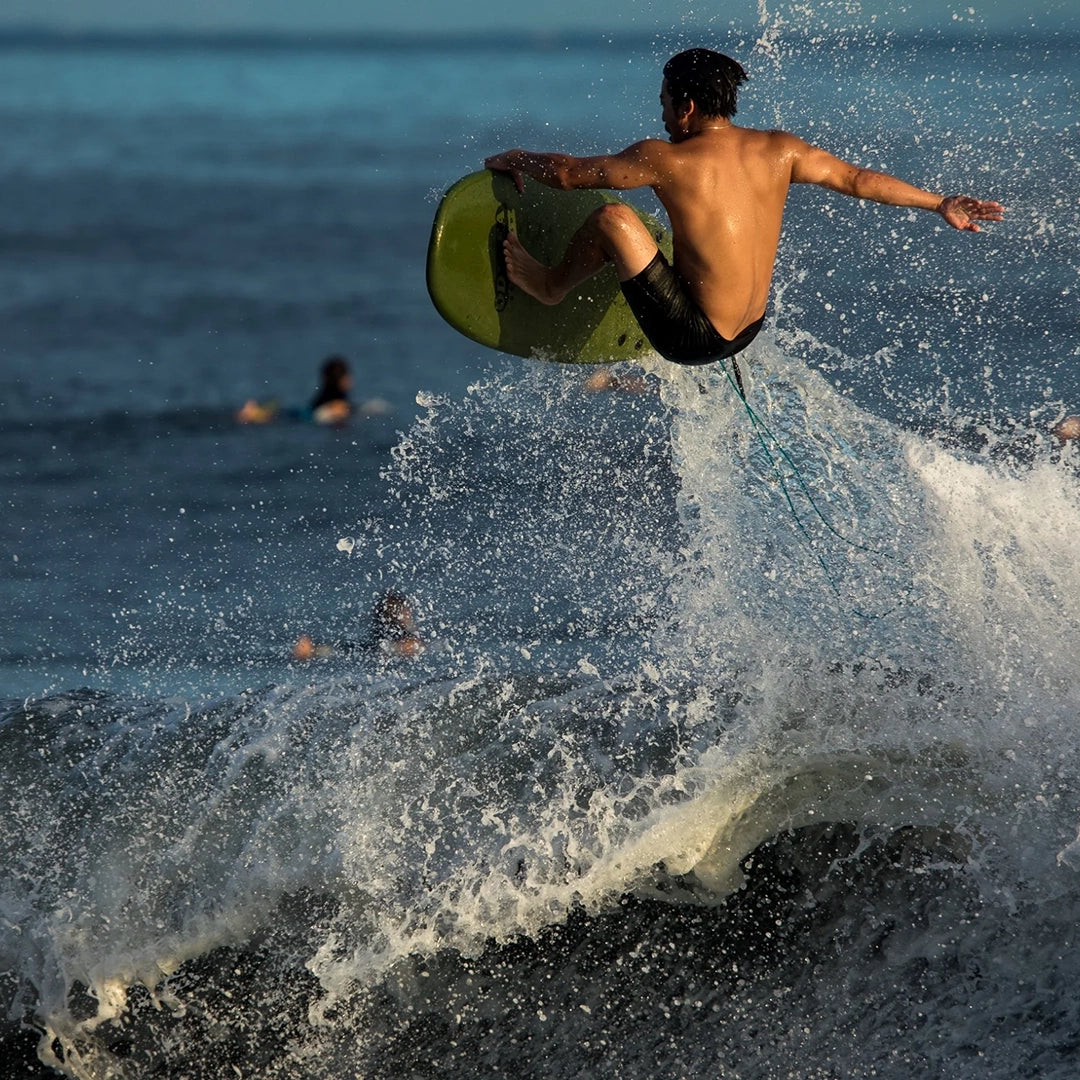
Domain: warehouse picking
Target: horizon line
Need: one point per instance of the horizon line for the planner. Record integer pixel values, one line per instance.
(44, 34)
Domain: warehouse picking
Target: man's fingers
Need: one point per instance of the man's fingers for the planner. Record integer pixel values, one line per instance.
(962, 211)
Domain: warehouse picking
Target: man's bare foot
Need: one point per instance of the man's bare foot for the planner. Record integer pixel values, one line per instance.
(529, 274)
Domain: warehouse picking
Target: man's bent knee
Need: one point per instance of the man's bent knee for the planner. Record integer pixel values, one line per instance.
(614, 219)
(624, 238)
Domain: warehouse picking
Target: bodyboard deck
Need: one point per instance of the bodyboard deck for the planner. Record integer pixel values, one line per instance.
(467, 282)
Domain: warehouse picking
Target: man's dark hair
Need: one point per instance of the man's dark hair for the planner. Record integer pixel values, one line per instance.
(710, 79)
(392, 617)
(334, 369)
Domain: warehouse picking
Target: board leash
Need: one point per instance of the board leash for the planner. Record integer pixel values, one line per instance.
(761, 429)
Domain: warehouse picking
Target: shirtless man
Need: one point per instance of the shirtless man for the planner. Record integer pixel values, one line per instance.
(724, 189)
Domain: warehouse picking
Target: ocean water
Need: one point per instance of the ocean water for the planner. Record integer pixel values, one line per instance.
(746, 740)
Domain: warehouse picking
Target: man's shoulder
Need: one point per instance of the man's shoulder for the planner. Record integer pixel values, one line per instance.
(648, 148)
(774, 143)
(774, 136)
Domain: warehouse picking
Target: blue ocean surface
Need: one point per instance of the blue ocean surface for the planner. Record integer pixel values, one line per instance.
(744, 737)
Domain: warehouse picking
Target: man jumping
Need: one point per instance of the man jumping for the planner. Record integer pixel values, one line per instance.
(724, 188)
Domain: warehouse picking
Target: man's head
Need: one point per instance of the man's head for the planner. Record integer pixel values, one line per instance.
(335, 370)
(392, 615)
(710, 79)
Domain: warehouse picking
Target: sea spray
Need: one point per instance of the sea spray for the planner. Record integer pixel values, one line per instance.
(380, 841)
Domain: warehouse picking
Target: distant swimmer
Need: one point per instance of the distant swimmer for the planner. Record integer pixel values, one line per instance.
(331, 404)
(1068, 429)
(393, 625)
(394, 633)
(724, 188)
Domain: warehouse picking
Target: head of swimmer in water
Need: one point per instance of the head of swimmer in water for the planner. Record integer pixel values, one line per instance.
(709, 79)
(336, 374)
(392, 617)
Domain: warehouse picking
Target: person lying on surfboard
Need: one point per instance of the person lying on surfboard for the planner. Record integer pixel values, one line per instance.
(724, 189)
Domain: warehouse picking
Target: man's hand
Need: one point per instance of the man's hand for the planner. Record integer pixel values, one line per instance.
(962, 211)
(504, 162)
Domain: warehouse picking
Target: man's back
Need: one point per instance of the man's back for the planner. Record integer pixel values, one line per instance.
(724, 190)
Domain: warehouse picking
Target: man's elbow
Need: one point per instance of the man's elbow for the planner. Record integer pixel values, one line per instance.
(863, 183)
(852, 184)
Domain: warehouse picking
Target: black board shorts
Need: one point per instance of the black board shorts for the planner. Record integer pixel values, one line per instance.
(672, 321)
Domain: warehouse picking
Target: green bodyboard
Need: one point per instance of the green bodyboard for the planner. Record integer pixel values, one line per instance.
(466, 276)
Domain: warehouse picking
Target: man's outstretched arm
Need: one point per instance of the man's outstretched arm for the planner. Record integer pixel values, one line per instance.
(812, 165)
